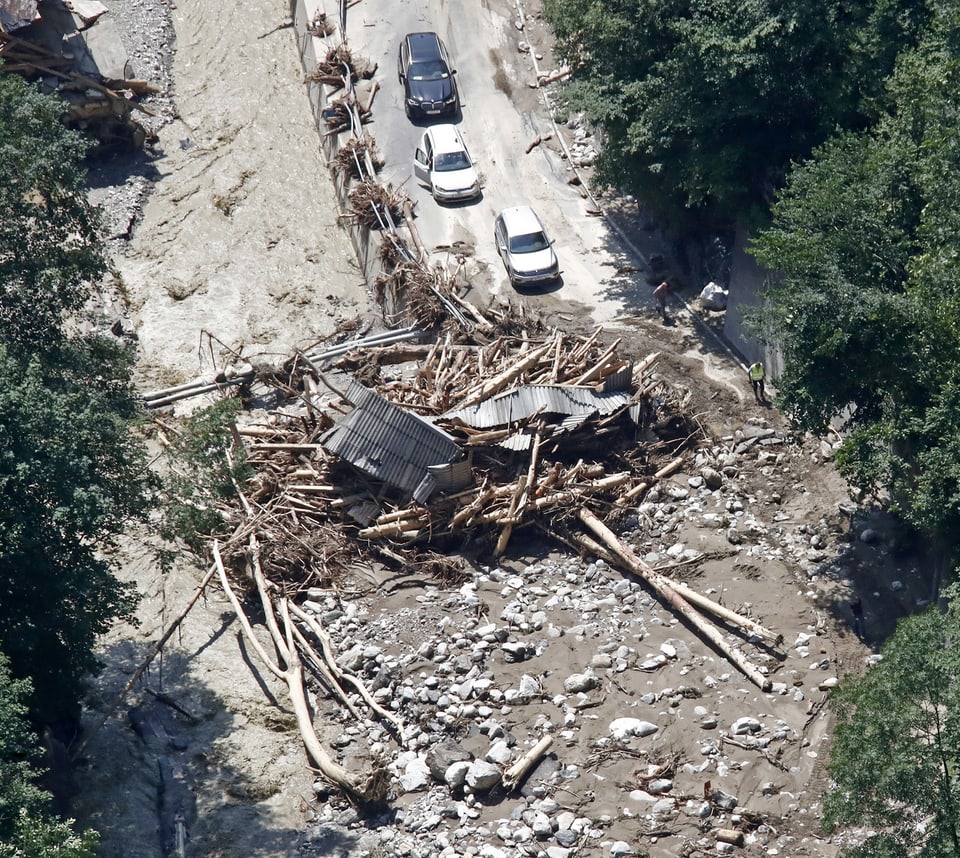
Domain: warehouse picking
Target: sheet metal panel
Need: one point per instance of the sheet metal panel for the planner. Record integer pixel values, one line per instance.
(523, 402)
(388, 443)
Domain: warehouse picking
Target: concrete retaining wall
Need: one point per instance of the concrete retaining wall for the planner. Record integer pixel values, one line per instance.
(365, 241)
(746, 280)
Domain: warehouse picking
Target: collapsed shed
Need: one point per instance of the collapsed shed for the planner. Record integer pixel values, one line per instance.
(74, 50)
(402, 450)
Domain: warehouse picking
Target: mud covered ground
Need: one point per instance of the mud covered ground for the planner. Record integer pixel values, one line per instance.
(238, 250)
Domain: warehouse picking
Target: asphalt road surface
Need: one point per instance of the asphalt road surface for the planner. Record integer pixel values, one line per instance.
(501, 115)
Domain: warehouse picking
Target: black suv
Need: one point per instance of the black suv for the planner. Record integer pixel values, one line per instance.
(424, 70)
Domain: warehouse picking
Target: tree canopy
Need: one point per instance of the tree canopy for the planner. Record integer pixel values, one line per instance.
(703, 106)
(72, 470)
(50, 247)
(896, 743)
(866, 305)
(27, 829)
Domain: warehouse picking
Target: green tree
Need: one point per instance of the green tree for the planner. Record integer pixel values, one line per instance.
(206, 467)
(27, 826)
(50, 248)
(704, 105)
(897, 741)
(71, 470)
(867, 309)
(71, 475)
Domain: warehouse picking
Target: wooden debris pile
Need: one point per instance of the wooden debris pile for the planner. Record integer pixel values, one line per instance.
(465, 443)
(357, 159)
(374, 205)
(98, 99)
(536, 423)
(340, 64)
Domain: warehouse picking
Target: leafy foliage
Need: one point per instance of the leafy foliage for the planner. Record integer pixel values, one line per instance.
(206, 468)
(71, 471)
(867, 310)
(27, 829)
(71, 474)
(704, 105)
(897, 740)
(50, 249)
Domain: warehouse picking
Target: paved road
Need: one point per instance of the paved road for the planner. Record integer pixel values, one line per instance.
(501, 115)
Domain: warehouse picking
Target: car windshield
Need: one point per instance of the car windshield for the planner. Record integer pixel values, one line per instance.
(447, 162)
(432, 70)
(529, 243)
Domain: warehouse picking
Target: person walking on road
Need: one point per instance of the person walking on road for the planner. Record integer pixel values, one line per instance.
(756, 373)
(660, 296)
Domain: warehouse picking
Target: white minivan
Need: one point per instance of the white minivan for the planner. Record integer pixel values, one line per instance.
(443, 163)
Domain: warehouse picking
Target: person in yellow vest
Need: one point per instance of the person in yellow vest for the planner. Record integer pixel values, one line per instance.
(756, 374)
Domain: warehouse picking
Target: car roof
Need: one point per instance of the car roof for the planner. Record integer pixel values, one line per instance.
(446, 138)
(423, 46)
(520, 220)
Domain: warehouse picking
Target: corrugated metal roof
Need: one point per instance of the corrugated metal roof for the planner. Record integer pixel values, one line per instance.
(453, 477)
(390, 444)
(524, 440)
(619, 380)
(523, 402)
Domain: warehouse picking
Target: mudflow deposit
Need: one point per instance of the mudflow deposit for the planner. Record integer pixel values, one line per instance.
(546, 701)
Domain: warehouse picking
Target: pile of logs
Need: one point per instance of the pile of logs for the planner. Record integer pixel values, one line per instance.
(357, 159)
(298, 484)
(375, 206)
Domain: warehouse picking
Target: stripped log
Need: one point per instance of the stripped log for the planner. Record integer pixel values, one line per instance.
(670, 595)
(640, 488)
(515, 775)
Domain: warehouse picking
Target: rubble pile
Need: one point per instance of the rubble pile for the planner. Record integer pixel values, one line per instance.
(75, 50)
(458, 441)
(394, 455)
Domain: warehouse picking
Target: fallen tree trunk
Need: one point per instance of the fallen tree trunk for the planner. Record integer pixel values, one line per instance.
(518, 771)
(361, 789)
(670, 595)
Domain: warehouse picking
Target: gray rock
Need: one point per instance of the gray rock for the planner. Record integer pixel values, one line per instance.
(580, 682)
(514, 651)
(723, 800)
(416, 776)
(529, 687)
(456, 774)
(664, 807)
(742, 726)
(499, 753)
(541, 825)
(624, 728)
(660, 785)
(620, 849)
(444, 754)
(713, 479)
(482, 776)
